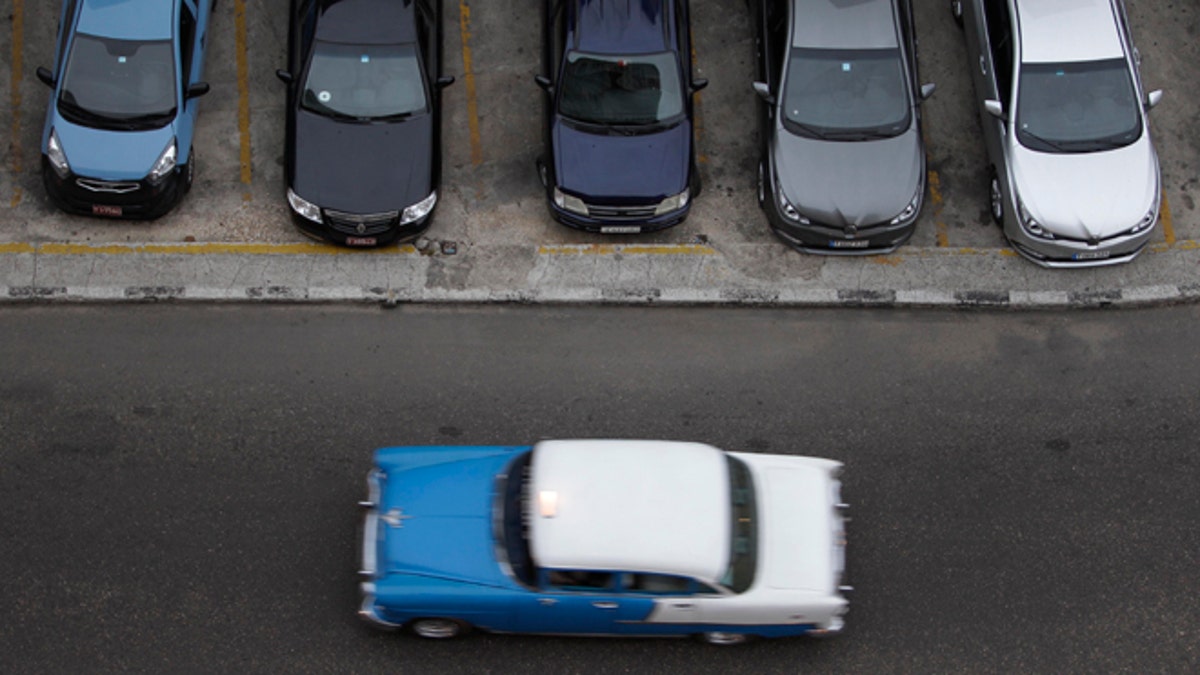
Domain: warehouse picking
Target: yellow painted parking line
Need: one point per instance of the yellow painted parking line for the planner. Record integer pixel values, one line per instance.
(629, 249)
(243, 78)
(464, 26)
(14, 97)
(18, 247)
(935, 196)
(215, 248)
(1164, 216)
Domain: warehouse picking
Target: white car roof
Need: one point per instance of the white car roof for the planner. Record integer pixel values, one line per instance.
(647, 506)
(1058, 31)
(837, 24)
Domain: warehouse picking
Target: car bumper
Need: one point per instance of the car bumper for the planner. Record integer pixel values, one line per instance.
(631, 225)
(368, 551)
(822, 240)
(87, 196)
(394, 233)
(1066, 254)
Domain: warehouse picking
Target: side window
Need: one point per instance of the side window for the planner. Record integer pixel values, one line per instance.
(777, 36)
(187, 43)
(658, 584)
(999, 28)
(683, 38)
(425, 36)
(579, 580)
(559, 28)
(64, 25)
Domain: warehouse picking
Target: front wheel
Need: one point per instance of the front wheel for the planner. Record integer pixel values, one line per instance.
(762, 187)
(437, 629)
(956, 10)
(725, 639)
(997, 198)
(189, 170)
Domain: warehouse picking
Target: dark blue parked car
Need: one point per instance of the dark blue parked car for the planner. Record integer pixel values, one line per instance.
(118, 135)
(620, 155)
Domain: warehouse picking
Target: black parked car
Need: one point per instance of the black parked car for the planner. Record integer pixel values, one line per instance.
(363, 147)
(620, 155)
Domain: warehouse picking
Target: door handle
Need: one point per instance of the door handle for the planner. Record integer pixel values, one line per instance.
(684, 605)
(982, 65)
(601, 604)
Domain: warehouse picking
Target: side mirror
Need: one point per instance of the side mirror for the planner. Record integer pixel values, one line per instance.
(764, 92)
(47, 77)
(445, 81)
(197, 89)
(1153, 98)
(284, 76)
(995, 108)
(545, 83)
(927, 90)
(698, 84)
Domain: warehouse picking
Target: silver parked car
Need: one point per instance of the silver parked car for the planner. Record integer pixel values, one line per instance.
(842, 163)
(1074, 177)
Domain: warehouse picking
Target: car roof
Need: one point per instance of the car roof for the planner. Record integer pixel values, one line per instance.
(844, 24)
(375, 22)
(1092, 33)
(128, 19)
(621, 26)
(644, 506)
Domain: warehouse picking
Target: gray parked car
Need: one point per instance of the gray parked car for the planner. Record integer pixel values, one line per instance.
(842, 163)
(1074, 177)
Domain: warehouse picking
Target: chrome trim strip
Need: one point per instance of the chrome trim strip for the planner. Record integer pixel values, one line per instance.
(113, 187)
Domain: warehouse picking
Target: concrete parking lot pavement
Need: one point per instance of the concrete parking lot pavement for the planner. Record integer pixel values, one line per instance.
(492, 237)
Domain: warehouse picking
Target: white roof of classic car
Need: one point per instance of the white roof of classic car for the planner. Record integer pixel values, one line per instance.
(644, 506)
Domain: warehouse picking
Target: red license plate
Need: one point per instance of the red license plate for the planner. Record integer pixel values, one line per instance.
(361, 241)
(107, 210)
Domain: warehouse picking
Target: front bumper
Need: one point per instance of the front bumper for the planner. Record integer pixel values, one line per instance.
(1071, 254)
(635, 219)
(825, 240)
(132, 199)
(346, 232)
(368, 569)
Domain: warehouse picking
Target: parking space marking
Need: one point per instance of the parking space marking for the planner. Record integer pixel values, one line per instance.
(464, 27)
(16, 162)
(629, 249)
(243, 78)
(1165, 217)
(935, 196)
(214, 248)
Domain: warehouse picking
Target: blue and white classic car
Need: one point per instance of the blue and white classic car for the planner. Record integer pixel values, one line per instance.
(602, 537)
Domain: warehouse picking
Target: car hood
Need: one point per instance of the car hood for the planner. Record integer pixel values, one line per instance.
(1090, 195)
(363, 168)
(441, 520)
(843, 183)
(600, 167)
(111, 155)
(797, 523)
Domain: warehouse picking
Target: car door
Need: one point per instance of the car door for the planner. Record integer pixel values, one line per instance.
(579, 602)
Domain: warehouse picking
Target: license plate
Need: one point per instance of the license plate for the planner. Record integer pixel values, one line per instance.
(620, 229)
(1092, 255)
(361, 241)
(848, 243)
(107, 210)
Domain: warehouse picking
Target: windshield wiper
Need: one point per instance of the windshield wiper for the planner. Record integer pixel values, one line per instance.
(809, 129)
(1057, 145)
(82, 115)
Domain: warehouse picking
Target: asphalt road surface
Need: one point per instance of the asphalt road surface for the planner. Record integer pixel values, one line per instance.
(178, 483)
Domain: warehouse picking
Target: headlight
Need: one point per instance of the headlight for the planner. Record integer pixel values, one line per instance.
(164, 165)
(1147, 221)
(419, 210)
(304, 207)
(1032, 226)
(910, 210)
(786, 207)
(673, 203)
(58, 158)
(568, 203)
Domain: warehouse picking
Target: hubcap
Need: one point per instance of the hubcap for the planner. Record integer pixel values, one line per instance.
(997, 201)
(725, 638)
(436, 628)
(762, 188)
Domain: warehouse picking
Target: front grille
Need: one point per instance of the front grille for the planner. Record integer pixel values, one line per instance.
(112, 187)
(621, 212)
(361, 223)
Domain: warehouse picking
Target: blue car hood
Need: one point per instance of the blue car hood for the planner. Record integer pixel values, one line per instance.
(603, 168)
(112, 155)
(363, 168)
(444, 516)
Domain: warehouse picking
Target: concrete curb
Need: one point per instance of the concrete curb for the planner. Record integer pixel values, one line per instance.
(634, 274)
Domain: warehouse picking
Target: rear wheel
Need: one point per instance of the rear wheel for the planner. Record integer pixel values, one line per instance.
(725, 639)
(437, 629)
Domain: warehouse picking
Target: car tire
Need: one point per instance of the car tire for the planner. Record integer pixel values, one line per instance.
(957, 11)
(724, 639)
(995, 197)
(762, 187)
(437, 628)
(189, 170)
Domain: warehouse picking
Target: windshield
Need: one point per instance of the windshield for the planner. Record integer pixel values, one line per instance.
(1077, 107)
(846, 94)
(119, 84)
(632, 90)
(371, 82)
(743, 556)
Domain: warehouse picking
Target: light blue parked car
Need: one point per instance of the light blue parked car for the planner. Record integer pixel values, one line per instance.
(118, 135)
